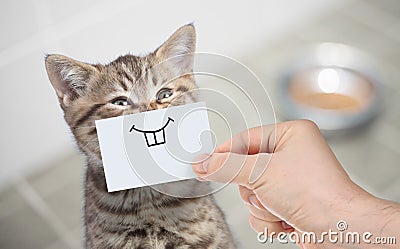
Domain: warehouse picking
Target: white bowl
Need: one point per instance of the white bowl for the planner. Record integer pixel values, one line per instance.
(332, 84)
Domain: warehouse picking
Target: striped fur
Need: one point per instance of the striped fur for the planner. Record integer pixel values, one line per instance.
(141, 218)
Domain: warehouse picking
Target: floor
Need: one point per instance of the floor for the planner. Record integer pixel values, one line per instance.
(43, 210)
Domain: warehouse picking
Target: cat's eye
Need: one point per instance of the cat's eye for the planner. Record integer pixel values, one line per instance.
(120, 102)
(164, 94)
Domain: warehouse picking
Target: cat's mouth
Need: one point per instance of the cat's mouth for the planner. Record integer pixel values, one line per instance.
(155, 137)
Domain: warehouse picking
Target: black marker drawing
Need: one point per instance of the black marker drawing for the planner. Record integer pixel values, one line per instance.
(153, 134)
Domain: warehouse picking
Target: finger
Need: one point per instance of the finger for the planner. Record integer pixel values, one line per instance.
(232, 167)
(263, 214)
(259, 225)
(255, 206)
(249, 197)
(252, 141)
(245, 193)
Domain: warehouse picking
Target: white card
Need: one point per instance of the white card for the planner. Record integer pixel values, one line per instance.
(153, 147)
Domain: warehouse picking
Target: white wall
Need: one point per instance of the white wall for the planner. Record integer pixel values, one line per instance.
(32, 129)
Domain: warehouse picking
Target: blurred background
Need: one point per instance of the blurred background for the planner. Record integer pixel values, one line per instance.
(41, 171)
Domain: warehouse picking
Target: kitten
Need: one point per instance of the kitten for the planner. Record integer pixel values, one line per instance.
(142, 217)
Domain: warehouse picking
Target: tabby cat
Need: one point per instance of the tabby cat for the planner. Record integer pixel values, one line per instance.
(142, 217)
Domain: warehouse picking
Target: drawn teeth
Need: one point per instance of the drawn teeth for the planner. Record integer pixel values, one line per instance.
(153, 138)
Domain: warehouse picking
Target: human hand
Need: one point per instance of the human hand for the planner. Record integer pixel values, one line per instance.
(287, 174)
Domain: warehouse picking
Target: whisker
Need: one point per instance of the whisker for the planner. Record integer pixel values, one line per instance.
(89, 142)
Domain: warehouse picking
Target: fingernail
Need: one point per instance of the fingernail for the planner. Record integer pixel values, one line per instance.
(201, 165)
(201, 179)
(285, 225)
(253, 200)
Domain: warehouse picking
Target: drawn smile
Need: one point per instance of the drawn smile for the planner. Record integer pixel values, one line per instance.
(156, 137)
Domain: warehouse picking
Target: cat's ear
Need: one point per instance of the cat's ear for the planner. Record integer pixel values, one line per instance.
(178, 50)
(68, 76)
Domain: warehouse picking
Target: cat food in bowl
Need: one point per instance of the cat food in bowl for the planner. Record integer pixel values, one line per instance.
(333, 85)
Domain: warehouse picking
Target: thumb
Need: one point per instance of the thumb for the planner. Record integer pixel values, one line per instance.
(231, 167)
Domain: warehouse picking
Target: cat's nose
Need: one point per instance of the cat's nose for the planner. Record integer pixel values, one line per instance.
(147, 107)
(152, 106)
